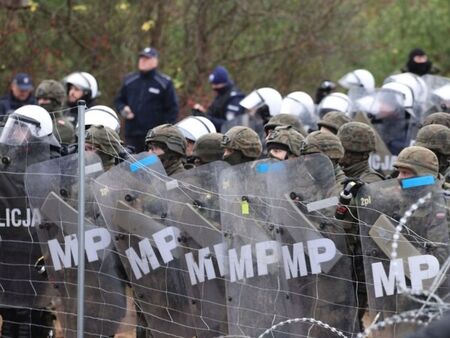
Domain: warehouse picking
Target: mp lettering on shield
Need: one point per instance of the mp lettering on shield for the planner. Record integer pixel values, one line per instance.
(421, 268)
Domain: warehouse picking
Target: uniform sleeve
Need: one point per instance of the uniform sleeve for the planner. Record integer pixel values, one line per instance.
(121, 99)
(171, 103)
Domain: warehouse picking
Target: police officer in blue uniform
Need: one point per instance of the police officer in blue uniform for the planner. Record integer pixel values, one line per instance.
(147, 99)
(20, 94)
(225, 106)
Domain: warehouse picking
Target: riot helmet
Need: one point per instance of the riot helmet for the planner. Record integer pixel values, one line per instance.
(335, 102)
(358, 78)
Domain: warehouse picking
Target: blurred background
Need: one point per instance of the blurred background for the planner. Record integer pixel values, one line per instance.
(286, 44)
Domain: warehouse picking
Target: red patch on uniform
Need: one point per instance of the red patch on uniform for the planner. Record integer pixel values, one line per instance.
(61, 122)
(440, 215)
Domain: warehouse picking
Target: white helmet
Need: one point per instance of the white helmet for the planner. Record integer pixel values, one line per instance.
(84, 81)
(102, 116)
(193, 127)
(335, 102)
(358, 78)
(413, 81)
(301, 105)
(263, 96)
(26, 122)
(407, 93)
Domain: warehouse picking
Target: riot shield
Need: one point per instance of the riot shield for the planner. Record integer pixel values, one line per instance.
(21, 286)
(420, 249)
(52, 189)
(258, 293)
(438, 94)
(141, 207)
(304, 219)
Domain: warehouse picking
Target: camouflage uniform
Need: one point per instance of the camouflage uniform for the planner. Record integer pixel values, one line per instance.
(438, 118)
(285, 138)
(284, 120)
(358, 140)
(245, 144)
(333, 120)
(107, 144)
(172, 141)
(208, 149)
(55, 92)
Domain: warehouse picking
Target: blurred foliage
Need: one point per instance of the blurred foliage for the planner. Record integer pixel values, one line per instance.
(286, 44)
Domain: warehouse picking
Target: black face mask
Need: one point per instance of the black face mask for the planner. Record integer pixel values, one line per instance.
(222, 90)
(419, 68)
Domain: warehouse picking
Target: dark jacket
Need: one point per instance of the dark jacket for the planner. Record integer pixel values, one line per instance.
(225, 106)
(151, 97)
(9, 103)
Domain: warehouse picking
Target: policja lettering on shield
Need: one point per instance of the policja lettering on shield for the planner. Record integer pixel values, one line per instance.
(16, 218)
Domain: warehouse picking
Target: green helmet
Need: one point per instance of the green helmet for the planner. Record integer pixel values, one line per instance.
(51, 89)
(208, 148)
(168, 135)
(434, 137)
(333, 120)
(438, 118)
(106, 141)
(244, 140)
(357, 137)
(285, 120)
(323, 142)
(420, 160)
(286, 137)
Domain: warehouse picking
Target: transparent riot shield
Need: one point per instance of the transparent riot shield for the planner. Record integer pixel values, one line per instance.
(438, 94)
(21, 286)
(195, 209)
(319, 288)
(420, 248)
(141, 206)
(258, 295)
(52, 187)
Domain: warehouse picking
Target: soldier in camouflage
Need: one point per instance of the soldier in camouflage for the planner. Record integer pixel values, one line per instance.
(284, 120)
(332, 121)
(169, 144)
(208, 149)
(438, 118)
(284, 143)
(436, 138)
(358, 140)
(416, 161)
(51, 95)
(106, 143)
(241, 145)
(330, 145)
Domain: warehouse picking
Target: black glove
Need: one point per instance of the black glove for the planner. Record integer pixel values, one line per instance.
(352, 185)
(197, 112)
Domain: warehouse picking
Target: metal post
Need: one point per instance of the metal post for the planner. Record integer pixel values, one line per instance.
(80, 279)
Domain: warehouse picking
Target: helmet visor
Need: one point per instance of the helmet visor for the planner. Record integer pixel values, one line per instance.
(19, 130)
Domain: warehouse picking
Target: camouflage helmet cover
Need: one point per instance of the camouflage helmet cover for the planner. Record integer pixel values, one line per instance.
(420, 160)
(105, 139)
(244, 140)
(438, 118)
(168, 135)
(208, 148)
(51, 89)
(285, 120)
(286, 136)
(333, 120)
(357, 137)
(435, 137)
(323, 142)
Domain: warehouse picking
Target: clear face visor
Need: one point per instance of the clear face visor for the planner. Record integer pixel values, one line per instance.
(350, 80)
(253, 101)
(441, 96)
(384, 104)
(19, 130)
